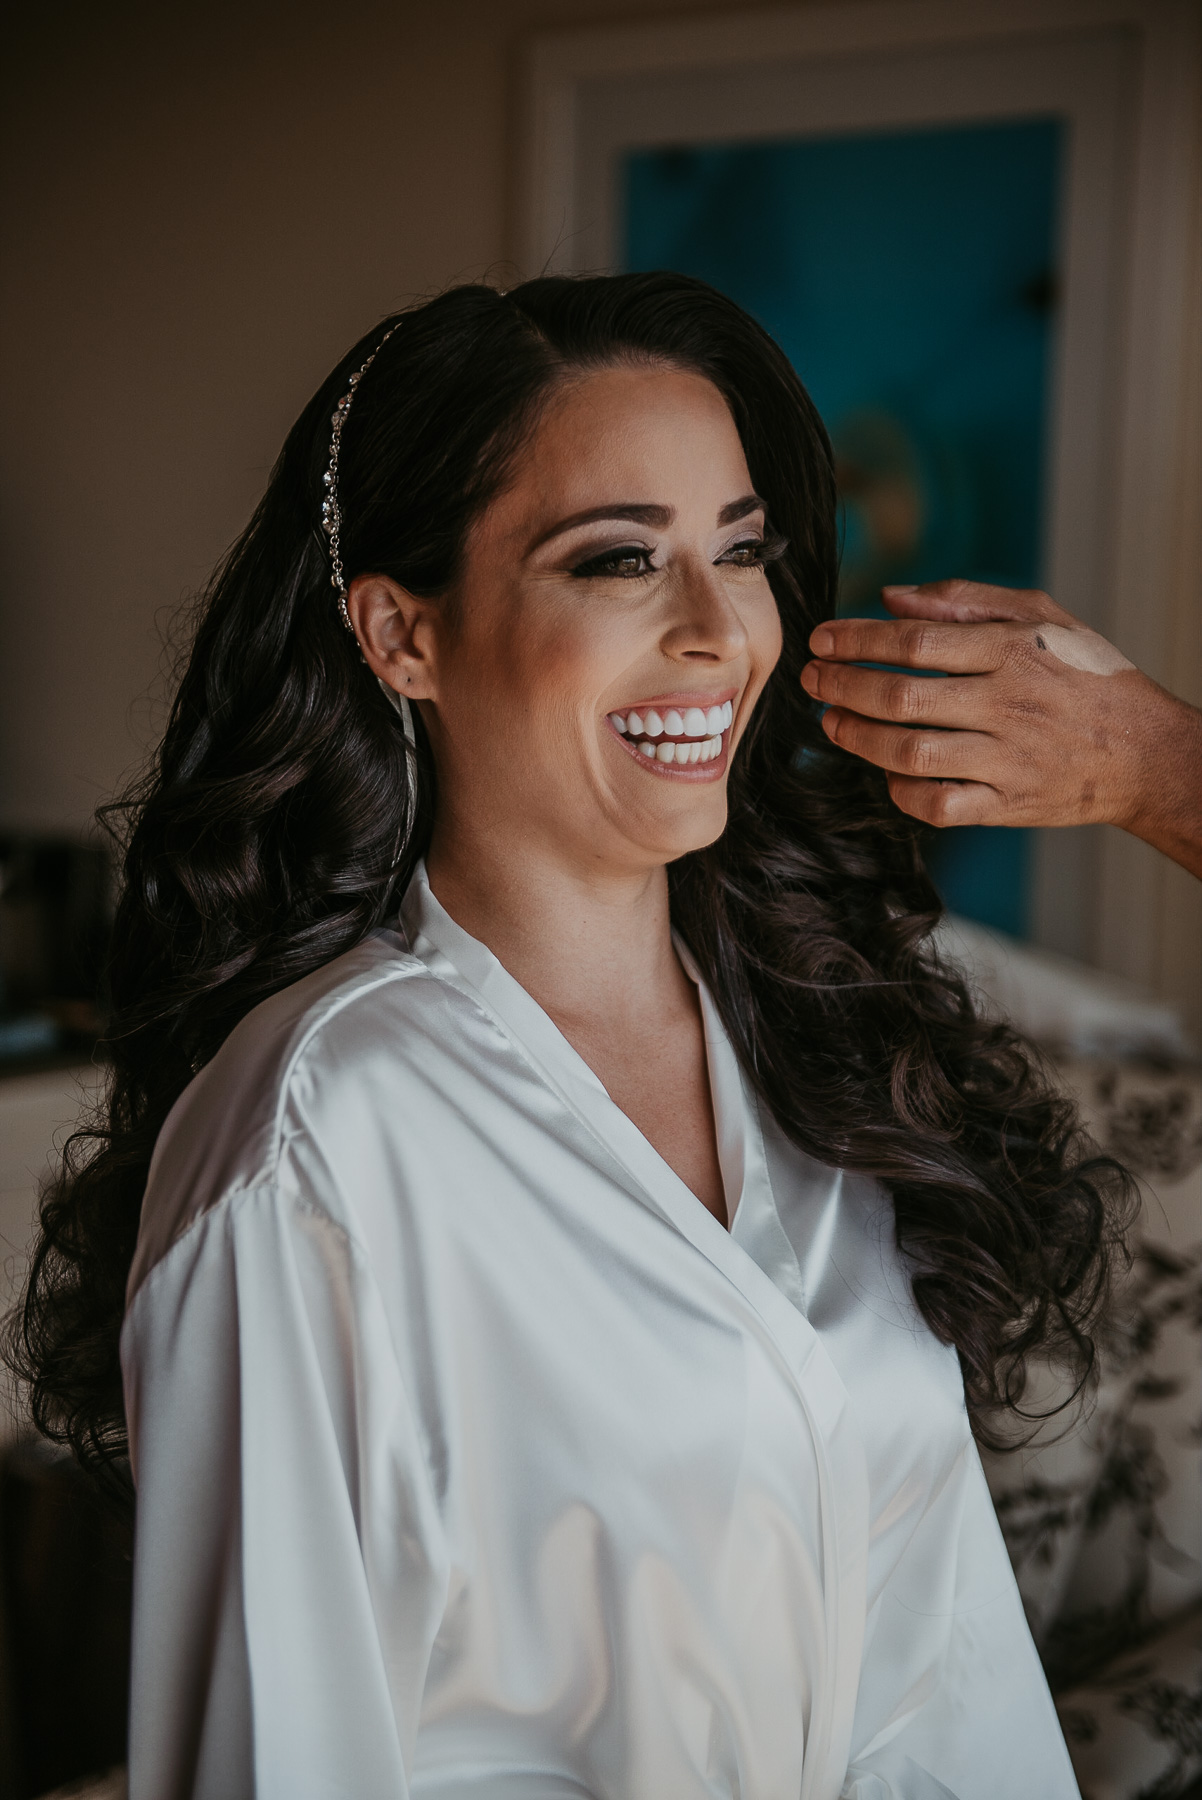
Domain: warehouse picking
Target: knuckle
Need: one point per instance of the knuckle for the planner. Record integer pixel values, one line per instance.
(1036, 606)
(923, 754)
(859, 646)
(903, 697)
(847, 635)
(830, 682)
(1024, 708)
(916, 640)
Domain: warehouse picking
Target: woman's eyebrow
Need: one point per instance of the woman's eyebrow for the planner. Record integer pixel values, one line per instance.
(658, 516)
(739, 509)
(640, 513)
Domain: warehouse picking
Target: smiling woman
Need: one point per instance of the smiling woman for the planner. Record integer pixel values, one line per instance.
(557, 1217)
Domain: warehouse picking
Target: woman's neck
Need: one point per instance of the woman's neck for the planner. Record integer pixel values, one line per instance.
(588, 945)
(594, 948)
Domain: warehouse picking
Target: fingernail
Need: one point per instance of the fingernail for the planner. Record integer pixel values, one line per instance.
(904, 587)
(822, 641)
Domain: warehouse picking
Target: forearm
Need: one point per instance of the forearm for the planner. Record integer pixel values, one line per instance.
(1166, 808)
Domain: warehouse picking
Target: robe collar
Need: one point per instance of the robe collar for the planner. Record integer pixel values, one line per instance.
(450, 952)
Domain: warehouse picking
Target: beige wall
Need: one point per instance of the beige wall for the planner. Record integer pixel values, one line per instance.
(204, 205)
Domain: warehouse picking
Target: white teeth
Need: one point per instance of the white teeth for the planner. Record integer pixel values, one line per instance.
(696, 722)
(680, 755)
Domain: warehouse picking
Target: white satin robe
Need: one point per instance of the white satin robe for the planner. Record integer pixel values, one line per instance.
(477, 1461)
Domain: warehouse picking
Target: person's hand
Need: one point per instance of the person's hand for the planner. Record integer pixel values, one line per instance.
(1039, 721)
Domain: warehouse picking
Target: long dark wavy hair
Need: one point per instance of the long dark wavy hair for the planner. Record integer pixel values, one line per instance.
(270, 835)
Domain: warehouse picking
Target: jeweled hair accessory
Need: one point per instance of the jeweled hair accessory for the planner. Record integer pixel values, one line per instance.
(331, 515)
(331, 521)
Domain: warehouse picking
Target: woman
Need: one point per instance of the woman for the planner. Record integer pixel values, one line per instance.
(582, 1220)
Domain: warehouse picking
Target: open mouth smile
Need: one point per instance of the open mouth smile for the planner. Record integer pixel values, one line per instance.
(677, 737)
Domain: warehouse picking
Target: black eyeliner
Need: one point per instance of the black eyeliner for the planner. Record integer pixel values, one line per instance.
(596, 565)
(769, 549)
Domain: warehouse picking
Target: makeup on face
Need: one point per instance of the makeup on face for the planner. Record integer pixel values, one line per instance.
(654, 517)
(613, 610)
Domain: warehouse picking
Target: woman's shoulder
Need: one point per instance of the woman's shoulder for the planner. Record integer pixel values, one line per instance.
(310, 1064)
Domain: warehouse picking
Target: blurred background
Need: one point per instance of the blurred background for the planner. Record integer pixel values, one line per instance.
(976, 233)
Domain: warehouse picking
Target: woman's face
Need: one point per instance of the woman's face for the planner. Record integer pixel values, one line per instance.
(609, 635)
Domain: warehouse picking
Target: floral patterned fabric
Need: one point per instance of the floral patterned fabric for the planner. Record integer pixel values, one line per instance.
(1135, 1728)
(1101, 1513)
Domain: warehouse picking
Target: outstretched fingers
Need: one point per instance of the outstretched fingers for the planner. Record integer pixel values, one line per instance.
(958, 702)
(928, 754)
(1036, 721)
(940, 777)
(922, 644)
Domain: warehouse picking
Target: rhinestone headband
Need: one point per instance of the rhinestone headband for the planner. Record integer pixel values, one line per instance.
(331, 516)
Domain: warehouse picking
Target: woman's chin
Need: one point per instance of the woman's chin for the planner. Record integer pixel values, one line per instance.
(666, 839)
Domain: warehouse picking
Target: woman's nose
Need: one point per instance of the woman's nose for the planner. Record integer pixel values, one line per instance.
(704, 623)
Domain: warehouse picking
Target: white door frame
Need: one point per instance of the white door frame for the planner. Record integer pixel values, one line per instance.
(1147, 917)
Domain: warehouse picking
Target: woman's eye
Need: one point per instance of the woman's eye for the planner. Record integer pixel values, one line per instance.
(744, 556)
(755, 553)
(627, 562)
(749, 555)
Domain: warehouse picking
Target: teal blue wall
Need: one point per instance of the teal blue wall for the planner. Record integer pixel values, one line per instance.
(910, 277)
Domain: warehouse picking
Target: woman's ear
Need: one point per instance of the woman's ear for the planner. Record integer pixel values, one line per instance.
(397, 634)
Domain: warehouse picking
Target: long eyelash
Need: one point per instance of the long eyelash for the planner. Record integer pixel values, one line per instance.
(771, 548)
(599, 564)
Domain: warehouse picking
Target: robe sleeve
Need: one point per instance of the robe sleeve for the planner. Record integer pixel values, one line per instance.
(289, 1567)
(954, 1704)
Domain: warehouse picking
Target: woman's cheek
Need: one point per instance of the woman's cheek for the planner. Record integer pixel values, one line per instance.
(766, 634)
